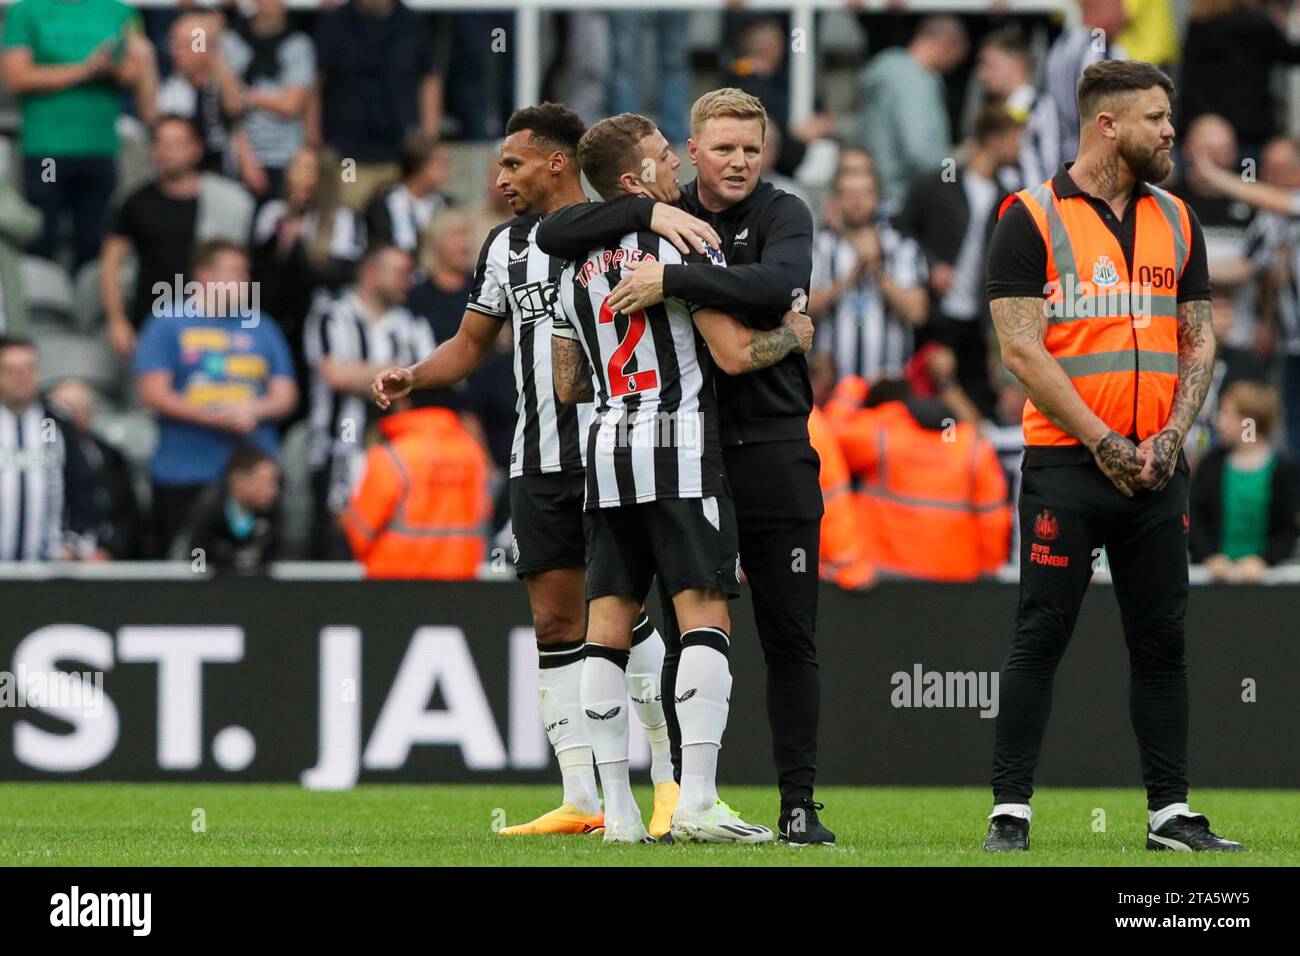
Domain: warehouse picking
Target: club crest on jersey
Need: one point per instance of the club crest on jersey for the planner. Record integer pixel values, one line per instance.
(715, 256)
(534, 301)
(1045, 527)
(1103, 272)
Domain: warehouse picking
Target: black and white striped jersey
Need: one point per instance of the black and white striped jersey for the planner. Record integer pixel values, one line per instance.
(866, 336)
(516, 281)
(344, 328)
(399, 216)
(32, 455)
(654, 432)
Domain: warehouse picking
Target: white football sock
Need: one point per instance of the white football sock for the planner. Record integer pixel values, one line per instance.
(558, 689)
(604, 707)
(644, 670)
(702, 695)
(1020, 810)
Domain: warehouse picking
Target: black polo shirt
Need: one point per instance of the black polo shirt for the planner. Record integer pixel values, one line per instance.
(1017, 267)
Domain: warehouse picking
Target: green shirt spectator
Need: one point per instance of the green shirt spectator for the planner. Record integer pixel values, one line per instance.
(76, 119)
(69, 62)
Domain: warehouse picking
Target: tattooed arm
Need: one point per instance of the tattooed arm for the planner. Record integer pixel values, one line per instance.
(737, 349)
(570, 371)
(1196, 349)
(1021, 323)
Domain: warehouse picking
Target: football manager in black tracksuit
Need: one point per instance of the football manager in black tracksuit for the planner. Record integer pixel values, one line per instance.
(766, 237)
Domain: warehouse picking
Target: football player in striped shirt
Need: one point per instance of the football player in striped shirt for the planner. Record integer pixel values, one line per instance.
(657, 501)
(515, 282)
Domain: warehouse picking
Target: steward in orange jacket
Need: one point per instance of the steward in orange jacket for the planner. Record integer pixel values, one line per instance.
(933, 496)
(844, 544)
(422, 507)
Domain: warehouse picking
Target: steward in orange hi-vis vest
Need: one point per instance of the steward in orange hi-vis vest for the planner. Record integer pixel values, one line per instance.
(1099, 289)
(422, 507)
(1112, 324)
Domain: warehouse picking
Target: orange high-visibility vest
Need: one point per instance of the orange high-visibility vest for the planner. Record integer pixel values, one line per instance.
(422, 508)
(843, 544)
(1115, 333)
(933, 503)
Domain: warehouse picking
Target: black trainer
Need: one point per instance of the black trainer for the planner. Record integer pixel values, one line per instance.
(1189, 835)
(1007, 833)
(799, 825)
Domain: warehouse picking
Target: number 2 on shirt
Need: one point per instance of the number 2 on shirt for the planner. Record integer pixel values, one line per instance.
(622, 382)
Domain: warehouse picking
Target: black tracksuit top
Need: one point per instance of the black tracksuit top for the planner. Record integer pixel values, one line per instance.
(767, 241)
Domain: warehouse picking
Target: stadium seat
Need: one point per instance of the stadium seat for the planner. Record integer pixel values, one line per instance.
(49, 290)
(134, 433)
(296, 500)
(69, 354)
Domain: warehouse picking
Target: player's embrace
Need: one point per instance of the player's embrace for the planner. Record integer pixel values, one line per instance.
(657, 500)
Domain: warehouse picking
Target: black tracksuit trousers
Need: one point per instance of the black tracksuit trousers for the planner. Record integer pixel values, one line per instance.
(1067, 513)
(778, 501)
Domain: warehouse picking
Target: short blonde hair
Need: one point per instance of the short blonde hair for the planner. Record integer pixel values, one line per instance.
(727, 101)
(439, 225)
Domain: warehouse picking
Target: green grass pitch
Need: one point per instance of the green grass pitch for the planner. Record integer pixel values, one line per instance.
(84, 824)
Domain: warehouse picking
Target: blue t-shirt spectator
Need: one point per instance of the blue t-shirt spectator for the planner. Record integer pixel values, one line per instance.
(213, 362)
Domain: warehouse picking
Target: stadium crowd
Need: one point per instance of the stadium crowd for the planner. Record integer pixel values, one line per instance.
(305, 159)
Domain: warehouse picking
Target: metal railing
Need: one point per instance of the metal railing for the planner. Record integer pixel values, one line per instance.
(527, 42)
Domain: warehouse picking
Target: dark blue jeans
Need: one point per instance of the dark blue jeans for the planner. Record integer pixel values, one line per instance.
(78, 185)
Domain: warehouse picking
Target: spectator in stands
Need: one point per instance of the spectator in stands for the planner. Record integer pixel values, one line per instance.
(205, 90)
(1245, 495)
(1005, 71)
(275, 68)
(843, 539)
(868, 286)
(492, 208)
(1005, 431)
(1229, 56)
(160, 223)
(760, 72)
(902, 107)
(851, 159)
(480, 82)
(422, 506)
(1273, 247)
(492, 403)
(671, 31)
(306, 244)
(233, 527)
(1150, 33)
(42, 474)
(951, 213)
(769, 173)
(20, 223)
(1052, 134)
(113, 527)
(1230, 245)
(66, 63)
(399, 213)
(218, 373)
(376, 84)
(347, 342)
(441, 288)
(934, 500)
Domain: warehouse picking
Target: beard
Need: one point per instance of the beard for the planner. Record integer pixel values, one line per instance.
(1147, 165)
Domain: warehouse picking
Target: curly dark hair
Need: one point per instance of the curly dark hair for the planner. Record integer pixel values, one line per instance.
(552, 123)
